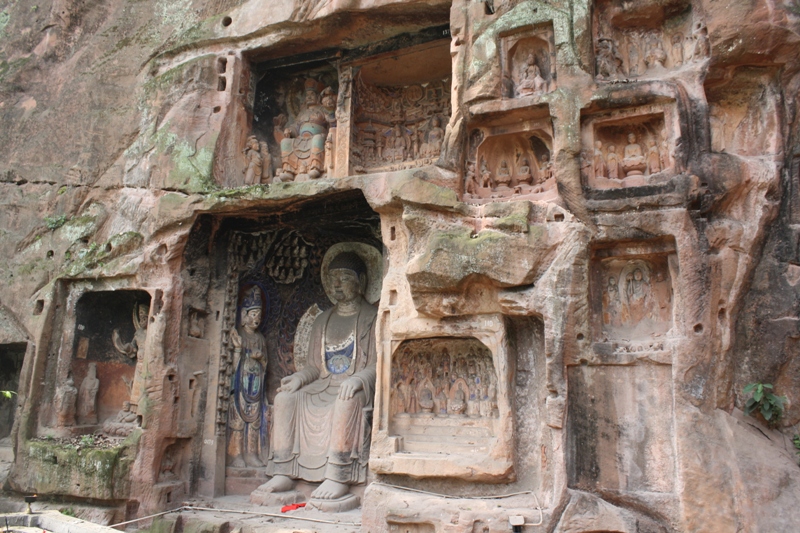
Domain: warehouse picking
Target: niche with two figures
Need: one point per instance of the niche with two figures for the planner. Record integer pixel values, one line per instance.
(109, 338)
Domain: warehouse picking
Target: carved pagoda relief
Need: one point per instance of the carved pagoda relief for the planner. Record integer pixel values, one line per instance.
(529, 66)
(629, 148)
(294, 126)
(400, 109)
(507, 166)
(633, 296)
(645, 41)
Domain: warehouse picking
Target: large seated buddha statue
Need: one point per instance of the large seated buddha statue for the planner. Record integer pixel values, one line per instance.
(321, 427)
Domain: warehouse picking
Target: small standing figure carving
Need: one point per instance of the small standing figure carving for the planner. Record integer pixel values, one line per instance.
(677, 49)
(254, 168)
(656, 56)
(702, 47)
(471, 180)
(599, 161)
(487, 181)
(653, 157)
(633, 58)
(65, 400)
(612, 162)
(87, 399)
(135, 350)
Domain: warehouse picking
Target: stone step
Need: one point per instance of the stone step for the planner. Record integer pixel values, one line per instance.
(439, 447)
(438, 430)
(448, 439)
(442, 421)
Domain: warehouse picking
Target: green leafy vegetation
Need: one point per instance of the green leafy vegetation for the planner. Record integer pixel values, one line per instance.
(765, 402)
(53, 223)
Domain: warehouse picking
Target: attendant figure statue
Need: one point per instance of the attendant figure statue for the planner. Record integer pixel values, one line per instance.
(487, 180)
(677, 49)
(612, 162)
(599, 161)
(471, 180)
(320, 431)
(303, 142)
(435, 138)
(609, 60)
(653, 157)
(633, 161)
(87, 397)
(64, 402)
(254, 162)
(246, 413)
(135, 350)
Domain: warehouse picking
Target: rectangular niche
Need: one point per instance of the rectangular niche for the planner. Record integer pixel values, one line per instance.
(444, 396)
(448, 411)
(294, 123)
(99, 317)
(511, 162)
(644, 40)
(529, 62)
(630, 147)
(401, 105)
(632, 294)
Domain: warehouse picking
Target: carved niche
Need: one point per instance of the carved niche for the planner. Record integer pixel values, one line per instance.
(529, 63)
(443, 396)
(401, 106)
(629, 147)
(633, 296)
(510, 165)
(645, 41)
(294, 125)
(107, 358)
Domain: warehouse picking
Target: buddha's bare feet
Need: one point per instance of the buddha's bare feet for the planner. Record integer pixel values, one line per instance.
(278, 483)
(238, 462)
(330, 490)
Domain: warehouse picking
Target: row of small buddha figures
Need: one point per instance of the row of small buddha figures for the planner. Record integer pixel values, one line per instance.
(416, 142)
(470, 389)
(526, 179)
(682, 51)
(634, 162)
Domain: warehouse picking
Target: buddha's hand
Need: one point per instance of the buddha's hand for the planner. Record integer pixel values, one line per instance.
(236, 339)
(349, 388)
(290, 383)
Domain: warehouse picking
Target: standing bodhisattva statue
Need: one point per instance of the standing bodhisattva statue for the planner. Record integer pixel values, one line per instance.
(245, 418)
(135, 349)
(320, 433)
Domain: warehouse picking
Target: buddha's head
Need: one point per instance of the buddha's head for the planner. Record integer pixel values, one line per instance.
(631, 138)
(347, 275)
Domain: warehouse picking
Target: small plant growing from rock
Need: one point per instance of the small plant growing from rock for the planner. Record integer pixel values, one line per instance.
(87, 441)
(765, 402)
(53, 223)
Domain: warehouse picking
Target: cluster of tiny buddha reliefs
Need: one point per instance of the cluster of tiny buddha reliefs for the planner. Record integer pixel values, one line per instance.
(649, 53)
(443, 384)
(395, 128)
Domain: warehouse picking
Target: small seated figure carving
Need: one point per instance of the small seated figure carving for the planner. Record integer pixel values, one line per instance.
(531, 81)
(653, 157)
(303, 142)
(612, 162)
(524, 174)
(426, 400)
(123, 424)
(633, 161)
(656, 56)
(503, 179)
(458, 405)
